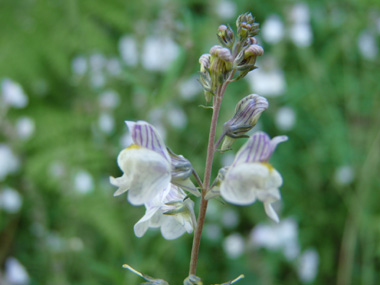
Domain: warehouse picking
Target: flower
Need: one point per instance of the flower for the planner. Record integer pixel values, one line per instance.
(169, 211)
(251, 177)
(247, 112)
(146, 165)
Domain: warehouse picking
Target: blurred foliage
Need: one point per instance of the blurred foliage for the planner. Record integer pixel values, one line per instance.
(332, 88)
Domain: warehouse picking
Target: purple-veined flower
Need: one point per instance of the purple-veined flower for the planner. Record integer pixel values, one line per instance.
(145, 163)
(251, 177)
(147, 166)
(169, 211)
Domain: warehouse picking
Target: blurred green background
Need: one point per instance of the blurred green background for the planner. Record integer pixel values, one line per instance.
(72, 71)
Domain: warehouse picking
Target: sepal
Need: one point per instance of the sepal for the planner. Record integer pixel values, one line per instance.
(192, 280)
(181, 172)
(151, 280)
(241, 276)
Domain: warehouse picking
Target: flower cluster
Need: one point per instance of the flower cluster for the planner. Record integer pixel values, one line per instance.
(156, 177)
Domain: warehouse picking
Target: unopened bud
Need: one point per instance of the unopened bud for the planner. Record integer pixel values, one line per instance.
(246, 26)
(204, 61)
(205, 77)
(226, 36)
(247, 113)
(221, 65)
(246, 60)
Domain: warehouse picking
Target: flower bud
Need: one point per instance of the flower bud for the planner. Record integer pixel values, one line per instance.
(246, 26)
(246, 60)
(220, 65)
(205, 77)
(226, 36)
(204, 61)
(247, 113)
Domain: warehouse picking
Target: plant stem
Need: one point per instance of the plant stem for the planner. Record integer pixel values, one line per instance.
(205, 186)
(206, 182)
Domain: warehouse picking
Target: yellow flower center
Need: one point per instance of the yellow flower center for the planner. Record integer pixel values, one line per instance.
(268, 165)
(133, 146)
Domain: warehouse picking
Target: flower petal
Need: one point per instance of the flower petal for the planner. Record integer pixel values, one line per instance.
(271, 213)
(143, 224)
(147, 171)
(242, 182)
(254, 150)
(275, 141)
(145, 135)
(122, 182)
(171, 228)
(259, 148)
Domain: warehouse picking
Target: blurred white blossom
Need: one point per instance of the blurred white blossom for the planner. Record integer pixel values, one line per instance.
(128, 50)
(300, 31)
(282, 236)
(83, 182)
(301, 34)
(113, 66)
(109, 99)
(15, 272)
(55, 242)
(226, 9)
(10, 200)
(106, 122)
(308, 265)
(25, 127)
(230, 218)
(267, 80)
(97, 62)
(367, 45)
(176, 117)
(13, 94)
(9, 162)
(300, 13)
(285, 118)
(79, 65)
(234, 245)
(159, 52)
(213, 232)
(272, 29)
(190, 88)
(344, 175)
(97, 79)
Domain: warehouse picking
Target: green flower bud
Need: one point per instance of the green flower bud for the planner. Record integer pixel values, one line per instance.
(246, 26)
(205, 77)
(220, 65)
(226, 36)
(246, 59)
